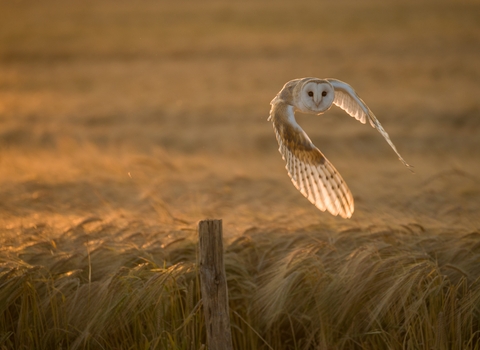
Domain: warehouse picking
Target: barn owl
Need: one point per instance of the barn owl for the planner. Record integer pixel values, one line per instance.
(311, 173)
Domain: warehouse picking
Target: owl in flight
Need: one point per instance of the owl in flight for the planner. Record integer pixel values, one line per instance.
(311, 173)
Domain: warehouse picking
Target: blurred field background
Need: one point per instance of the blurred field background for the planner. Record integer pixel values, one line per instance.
(124, 123)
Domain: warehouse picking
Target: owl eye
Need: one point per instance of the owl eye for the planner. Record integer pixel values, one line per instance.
(324, 93)
(310, 93)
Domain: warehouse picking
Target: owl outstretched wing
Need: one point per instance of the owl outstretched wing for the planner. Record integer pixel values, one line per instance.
(347, 99)
(311, 173)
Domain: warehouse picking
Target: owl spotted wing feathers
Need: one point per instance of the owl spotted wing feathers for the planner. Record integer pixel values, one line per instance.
(311, 173)
(347, 99)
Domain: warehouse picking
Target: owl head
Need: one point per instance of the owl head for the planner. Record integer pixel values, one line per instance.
(313, 95)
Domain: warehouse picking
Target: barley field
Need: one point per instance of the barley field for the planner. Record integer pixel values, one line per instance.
(122, 124)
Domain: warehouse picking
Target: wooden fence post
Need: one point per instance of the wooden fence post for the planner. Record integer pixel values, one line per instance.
(214, 285)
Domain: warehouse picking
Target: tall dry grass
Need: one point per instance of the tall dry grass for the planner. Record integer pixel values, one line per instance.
(100, 286)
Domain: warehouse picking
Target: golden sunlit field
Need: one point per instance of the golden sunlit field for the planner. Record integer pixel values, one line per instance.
(122, 124)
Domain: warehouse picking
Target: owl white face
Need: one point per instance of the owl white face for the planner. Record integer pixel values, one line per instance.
(314, 96)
